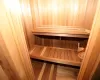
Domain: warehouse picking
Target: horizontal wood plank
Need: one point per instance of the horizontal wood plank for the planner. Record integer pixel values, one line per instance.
(79, 34)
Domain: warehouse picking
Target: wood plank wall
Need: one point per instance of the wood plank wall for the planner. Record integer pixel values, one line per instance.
(14, 57)
(74, 13)
(62, 42)
(27, 23)
(92, 53)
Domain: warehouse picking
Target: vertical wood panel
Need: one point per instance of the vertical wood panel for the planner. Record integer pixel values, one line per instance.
(14, 55)
(68, 13)
(93, 49)
(27, 23)
(90, 12)
(7, 63)
(61, 42)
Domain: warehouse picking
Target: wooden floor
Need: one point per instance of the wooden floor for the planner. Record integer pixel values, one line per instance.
(50, 71)
(58, 55)
(66, 73)
(44, 71)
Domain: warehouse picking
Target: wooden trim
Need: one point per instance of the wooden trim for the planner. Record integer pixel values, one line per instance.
(92, 50)
(63, 35)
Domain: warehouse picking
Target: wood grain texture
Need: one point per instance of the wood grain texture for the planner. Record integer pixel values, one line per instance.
(92, 50)
(48, 72)
(13, 49)
(58, 55)
(37, 66)
(54, 71)
(66, 73)
(27, 23)
(6, 62)
(56, 42)
(41, 72)
(96, 70)
(54, 15)
(77, 35)
(61, 42)
(3, 75)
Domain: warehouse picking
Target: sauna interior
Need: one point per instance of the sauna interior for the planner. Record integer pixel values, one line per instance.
(57, 32)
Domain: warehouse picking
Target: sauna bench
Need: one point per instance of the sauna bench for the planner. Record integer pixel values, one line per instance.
(70, 32)
(54, 54)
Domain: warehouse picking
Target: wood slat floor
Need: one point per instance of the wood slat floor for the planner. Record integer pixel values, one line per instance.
(50, 71)
(58, 55)
(44, 71)
(66, 73)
